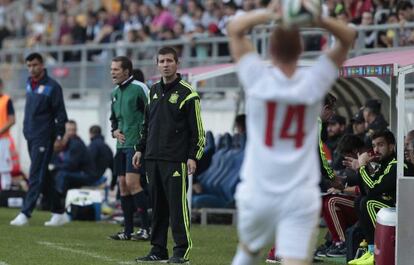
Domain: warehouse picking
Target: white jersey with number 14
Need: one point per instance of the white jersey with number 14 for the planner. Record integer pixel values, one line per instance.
(282, 112)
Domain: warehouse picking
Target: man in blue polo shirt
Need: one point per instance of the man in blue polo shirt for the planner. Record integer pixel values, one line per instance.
(43, 127)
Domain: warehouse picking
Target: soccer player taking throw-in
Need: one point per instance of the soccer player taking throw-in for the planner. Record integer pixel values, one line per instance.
(278, 198)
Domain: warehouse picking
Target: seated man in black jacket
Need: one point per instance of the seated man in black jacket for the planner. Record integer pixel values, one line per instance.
(380, 185)
(74, 168)
(101, 153)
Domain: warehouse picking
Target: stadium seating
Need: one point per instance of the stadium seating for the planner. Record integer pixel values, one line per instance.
(220, 179)
(207, 176)
(229, 182)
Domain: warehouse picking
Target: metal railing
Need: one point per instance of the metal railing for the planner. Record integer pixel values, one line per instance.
(90, 70)
(263, 33)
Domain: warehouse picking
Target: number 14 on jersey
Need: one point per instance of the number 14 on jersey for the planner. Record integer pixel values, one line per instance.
(295, 114)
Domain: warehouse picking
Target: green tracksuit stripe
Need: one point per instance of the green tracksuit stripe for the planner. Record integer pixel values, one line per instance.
(325, 163)
(200, 129)
(192, 95)
(367, 179)
(371, 206)
(185, 210)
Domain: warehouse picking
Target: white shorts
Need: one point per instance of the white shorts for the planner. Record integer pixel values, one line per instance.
(289, 220)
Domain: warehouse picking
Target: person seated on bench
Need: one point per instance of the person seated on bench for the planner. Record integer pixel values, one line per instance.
(101, 153)
(74, 168)
(338, 209)
(380, 184)
(409, 153)
(374, 119)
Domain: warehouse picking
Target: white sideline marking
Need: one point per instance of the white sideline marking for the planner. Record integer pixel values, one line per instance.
(82, 252)
(3, 263)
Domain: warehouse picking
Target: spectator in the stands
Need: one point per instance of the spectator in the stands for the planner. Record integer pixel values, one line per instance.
(230, 10)
(198, 16)
(69, 55)
(191, 7)
(4, 33)
(201, 51)
(133, 21)
(370, 36)
(78, 29)
(357, 8)
(405, 15)
(208, 17)
(145, 14)
(405, 10)
(121, 17)
(386, 38)
(123, 21)
(144, 36)
(37, 31)
(184, 19)
(195, 10)
(163, 19)
(179, 30)
(381, 10)
(92, 27)
(64, 27)
(73, 7)
(166, 34)
(106, 26)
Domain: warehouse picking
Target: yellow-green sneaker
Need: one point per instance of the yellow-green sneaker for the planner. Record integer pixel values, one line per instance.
(357, 261)
(368, 261)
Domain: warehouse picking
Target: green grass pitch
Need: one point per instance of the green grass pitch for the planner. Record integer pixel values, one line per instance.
(86, 243)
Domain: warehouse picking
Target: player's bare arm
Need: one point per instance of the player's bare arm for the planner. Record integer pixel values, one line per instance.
(344, 35)
(239, 26)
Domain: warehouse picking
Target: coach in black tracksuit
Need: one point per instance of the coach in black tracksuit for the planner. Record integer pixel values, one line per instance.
(172, 140)
(44, 121)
